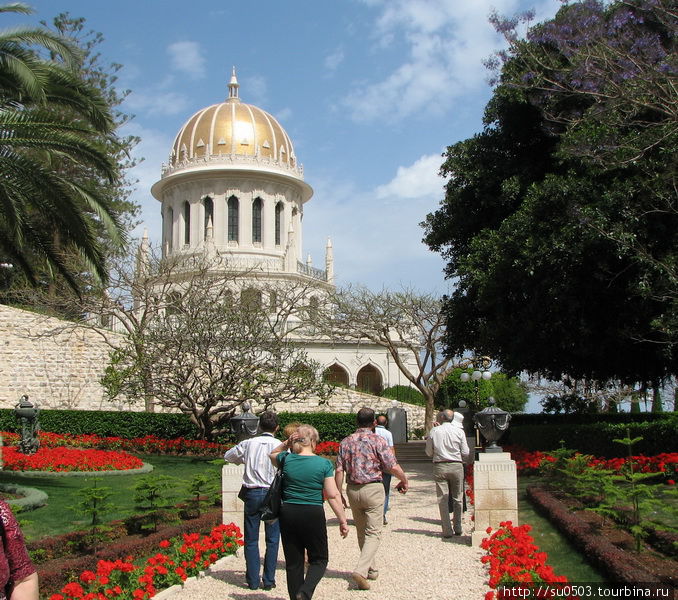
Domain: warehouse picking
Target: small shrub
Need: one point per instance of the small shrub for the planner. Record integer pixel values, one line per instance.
(153, 497)
(404, 393)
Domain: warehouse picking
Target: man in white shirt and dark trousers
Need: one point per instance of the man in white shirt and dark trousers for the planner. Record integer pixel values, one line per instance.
(257, 478)
(447, 445)
(380, 429)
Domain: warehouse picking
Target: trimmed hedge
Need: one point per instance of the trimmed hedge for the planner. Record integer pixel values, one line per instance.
(597, 438)
(331, 426)
(404, 393)
(580, 419)
(107, 423)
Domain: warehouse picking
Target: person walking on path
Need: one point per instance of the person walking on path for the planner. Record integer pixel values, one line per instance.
(303, 527)
(447, 446)
(380, 429)
(363, 456)
(257, 478)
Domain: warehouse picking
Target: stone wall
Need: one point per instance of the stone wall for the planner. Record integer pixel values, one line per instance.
(57, 365)
(60, 366)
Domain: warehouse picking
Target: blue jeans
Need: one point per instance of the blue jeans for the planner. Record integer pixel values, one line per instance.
(386, 480)
(253, 500)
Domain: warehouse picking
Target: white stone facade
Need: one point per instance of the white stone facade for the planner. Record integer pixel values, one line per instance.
(60, 367)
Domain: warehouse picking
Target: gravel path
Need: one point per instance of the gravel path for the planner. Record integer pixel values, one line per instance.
(414, 561)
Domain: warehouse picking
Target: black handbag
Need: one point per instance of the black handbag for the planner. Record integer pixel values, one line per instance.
(270, 507)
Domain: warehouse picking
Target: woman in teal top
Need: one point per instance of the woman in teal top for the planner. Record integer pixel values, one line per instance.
(306, 477)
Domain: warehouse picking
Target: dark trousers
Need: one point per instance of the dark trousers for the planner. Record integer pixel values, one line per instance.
(253, 500)
(303, 529)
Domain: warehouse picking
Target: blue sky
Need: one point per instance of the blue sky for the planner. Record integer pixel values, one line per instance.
(370, 91)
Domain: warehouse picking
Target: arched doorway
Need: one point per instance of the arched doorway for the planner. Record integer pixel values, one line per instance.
(369, 380)
(336, 374)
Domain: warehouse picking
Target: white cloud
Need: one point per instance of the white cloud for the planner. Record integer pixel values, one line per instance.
(446, 42)
(419, 180)
(374, 244)
(159, 103)
(254, 90)
(187, 57)
(333, 60)
(284, 114)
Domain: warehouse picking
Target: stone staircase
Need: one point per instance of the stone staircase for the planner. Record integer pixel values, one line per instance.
(412, 452)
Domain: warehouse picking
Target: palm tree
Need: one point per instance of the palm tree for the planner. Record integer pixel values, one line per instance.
(51, 123)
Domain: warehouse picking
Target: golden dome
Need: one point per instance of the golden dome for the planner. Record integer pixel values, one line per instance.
(233, 133)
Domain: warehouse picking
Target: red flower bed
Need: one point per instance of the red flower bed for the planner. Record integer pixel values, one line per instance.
(517, 568)
(68, 459)
(667, 463)
(149, 444)
(177, 559)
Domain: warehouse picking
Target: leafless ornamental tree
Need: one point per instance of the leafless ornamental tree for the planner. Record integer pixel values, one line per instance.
(408, 324)
(202, 340)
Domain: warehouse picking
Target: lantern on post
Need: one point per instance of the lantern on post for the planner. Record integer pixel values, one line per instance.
(27, 413)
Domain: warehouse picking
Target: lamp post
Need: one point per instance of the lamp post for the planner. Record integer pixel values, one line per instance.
(27, 413)
(481, 370)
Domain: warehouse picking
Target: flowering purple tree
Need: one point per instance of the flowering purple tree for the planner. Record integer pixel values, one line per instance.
(609, 72)
(559, 219)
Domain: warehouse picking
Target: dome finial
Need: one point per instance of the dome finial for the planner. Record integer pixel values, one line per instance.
(233, 86)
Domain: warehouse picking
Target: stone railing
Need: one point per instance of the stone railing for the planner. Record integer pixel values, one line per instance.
(229, 160)
(318, 274)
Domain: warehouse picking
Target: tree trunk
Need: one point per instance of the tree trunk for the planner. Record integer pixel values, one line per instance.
(656, 399)
(430, 409)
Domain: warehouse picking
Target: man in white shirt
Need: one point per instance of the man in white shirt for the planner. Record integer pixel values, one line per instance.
(257, 478)
(447, 446)
(380, 429)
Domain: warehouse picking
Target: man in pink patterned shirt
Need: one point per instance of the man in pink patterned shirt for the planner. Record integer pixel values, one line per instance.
(362, 458)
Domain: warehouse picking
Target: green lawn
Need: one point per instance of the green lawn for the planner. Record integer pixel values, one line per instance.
(57, 518)
(562, 556)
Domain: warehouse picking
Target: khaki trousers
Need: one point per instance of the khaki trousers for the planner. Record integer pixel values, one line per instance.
(367, 506)
(449, 478)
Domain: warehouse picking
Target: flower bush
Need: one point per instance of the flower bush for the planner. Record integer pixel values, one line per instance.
(68, 459)
(528, 463)
(149, 444)
(515, 561)
(177, 559)
(327, 448)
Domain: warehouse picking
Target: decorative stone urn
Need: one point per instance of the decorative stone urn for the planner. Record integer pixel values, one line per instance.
(492, 422)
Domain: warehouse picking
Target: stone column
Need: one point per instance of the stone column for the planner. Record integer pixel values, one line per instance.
(231, 506)
(495, 491)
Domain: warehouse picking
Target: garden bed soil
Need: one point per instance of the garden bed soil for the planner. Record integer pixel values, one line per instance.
(606, 544)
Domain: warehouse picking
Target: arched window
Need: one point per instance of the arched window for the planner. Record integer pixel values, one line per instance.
(169, 231)
(233, 219)
(336, 374)
(209, 213)
(279, 213)
(257, 209)
(369, 380)
(250, 299)
(187, 223)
